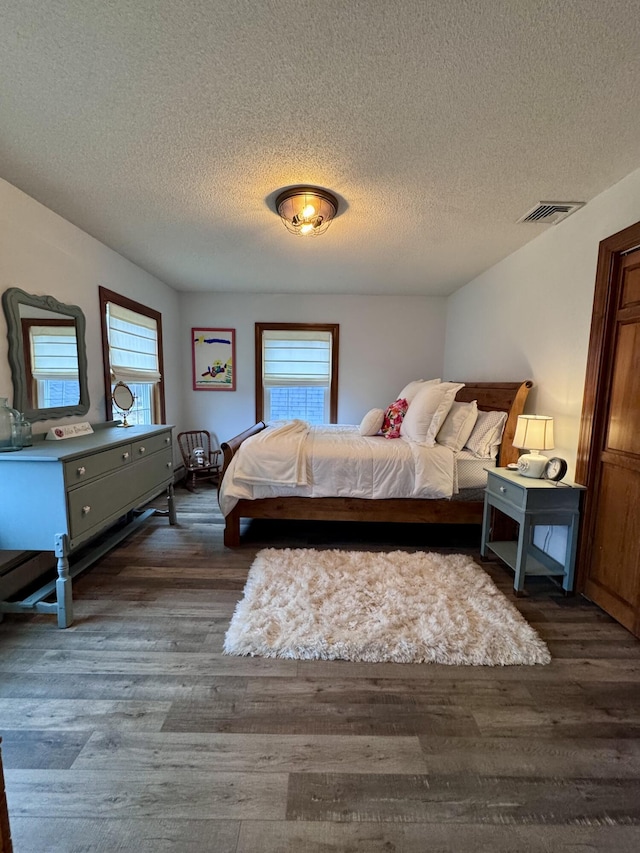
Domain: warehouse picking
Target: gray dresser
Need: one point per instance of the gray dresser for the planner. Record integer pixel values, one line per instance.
(59, 495)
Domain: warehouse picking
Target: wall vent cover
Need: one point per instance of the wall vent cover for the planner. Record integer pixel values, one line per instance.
(551, 212)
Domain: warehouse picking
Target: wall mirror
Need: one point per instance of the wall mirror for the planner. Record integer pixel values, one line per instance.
(47, 355)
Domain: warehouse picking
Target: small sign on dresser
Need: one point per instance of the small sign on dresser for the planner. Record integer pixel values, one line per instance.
(69, 431)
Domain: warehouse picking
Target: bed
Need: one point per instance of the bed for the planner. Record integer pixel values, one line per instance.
(464, 508)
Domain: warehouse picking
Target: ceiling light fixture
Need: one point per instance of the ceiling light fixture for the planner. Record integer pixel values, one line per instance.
(307, 211)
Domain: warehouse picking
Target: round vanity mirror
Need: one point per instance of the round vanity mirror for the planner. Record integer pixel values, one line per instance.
(123, 400)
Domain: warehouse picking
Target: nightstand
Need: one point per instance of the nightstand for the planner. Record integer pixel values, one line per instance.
(531, 503)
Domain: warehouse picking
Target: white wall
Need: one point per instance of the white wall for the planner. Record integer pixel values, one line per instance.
(530, 315)
(385, 341)
(43, 254)
(527, 317)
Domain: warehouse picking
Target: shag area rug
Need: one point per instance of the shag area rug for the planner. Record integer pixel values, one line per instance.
(369, 606)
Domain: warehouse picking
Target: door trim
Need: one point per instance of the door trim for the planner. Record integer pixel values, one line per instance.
(594, 403)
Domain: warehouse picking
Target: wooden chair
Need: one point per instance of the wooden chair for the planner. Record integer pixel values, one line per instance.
(200, 461)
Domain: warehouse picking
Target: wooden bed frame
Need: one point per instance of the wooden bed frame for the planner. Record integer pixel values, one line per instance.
(507, 397)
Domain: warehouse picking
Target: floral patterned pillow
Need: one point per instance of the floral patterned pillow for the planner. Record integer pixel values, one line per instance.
(393, 418)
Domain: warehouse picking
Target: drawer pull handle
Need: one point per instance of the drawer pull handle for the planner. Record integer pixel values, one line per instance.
(503, 489)
(86, 510)
(167, 440)
(169, 464)
(142, 449)
(125, 455)
(82, 471)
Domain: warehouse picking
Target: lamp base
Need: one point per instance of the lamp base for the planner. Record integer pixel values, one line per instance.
(532, 464)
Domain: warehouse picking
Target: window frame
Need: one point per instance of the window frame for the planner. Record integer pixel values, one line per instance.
(124, 302)
(332, 328)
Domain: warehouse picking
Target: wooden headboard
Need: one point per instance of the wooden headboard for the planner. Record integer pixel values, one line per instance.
(509, 397)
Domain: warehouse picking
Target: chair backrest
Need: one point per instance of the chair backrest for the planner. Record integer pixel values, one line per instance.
(190, 440)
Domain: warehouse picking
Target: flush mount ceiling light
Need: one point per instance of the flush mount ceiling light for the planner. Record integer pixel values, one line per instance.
(306, 211)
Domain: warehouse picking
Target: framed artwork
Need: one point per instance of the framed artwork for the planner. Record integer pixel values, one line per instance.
(214, 359)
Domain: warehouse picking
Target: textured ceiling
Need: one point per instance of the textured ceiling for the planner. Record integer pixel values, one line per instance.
(164, 127)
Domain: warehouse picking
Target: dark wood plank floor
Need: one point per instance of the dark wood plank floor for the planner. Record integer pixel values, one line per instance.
(132, 731)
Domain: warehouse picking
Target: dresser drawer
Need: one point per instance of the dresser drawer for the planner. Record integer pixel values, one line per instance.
(95, 503)
(153, 472)
(103, 501)
(87, 467)
(147, 446)
(515, 494)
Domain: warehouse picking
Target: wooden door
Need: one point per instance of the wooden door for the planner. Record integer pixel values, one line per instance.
(610, 544)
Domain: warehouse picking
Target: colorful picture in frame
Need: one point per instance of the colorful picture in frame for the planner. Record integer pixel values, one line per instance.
(214, 359)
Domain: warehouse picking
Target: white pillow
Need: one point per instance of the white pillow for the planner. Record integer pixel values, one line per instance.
(409, 391)
(487, 434)
(458, 425)
(372, 422)
(427, 412)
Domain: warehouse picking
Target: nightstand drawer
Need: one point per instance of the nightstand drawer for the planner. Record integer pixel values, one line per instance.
(501, 488)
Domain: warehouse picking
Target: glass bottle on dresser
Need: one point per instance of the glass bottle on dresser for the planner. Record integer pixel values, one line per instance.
(10, 432)
(26, 438)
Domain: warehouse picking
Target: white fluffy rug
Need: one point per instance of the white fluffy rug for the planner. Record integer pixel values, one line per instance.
(370, 606)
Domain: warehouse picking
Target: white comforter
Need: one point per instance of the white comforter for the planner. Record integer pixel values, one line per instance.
(274, 456)
(334, 461)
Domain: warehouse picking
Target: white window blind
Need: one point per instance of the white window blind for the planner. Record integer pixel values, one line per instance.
(133, 345)
(54, 352)
(293, 358)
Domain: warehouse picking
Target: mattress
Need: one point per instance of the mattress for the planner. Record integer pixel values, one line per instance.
(472, 472)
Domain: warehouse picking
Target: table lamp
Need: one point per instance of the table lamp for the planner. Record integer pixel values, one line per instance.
(535, 433)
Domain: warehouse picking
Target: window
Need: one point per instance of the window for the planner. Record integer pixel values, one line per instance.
(132, 347)
(51, 358)
(297, 372)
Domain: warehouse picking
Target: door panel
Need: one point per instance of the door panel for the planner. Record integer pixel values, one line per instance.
(610, 545)
(613, 571)
(631, 284)
(624, 414)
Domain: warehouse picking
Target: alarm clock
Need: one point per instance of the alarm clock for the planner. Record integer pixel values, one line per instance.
(555, 469)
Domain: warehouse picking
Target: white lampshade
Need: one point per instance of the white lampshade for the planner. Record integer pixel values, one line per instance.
(534, 432)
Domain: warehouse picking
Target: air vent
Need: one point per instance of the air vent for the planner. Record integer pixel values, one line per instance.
(551, 212)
